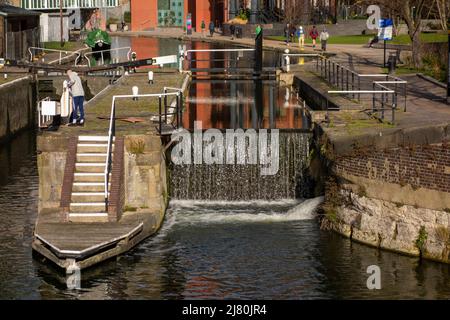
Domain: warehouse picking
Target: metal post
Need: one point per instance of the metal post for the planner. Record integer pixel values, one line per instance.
(337, 75)
(160, 115)
(180, 108)
(165, 105)
(61, 21)
(384, 59)
(359, 88)
(406, 93)
(382, 105)
(353, 84)
(176, 110)
(373, 98)
(394, 108)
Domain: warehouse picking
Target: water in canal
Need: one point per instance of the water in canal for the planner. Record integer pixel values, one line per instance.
(205, 250)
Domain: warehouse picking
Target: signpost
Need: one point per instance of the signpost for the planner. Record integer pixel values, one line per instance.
(385, 32)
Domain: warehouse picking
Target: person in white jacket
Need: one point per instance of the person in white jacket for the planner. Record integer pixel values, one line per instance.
(77, 92)
(324, 35)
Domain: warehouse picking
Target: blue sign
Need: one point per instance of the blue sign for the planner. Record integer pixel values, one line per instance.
(386, 29)
(384, 23)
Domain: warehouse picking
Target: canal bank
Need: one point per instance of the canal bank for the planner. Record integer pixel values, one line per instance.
(385, 184)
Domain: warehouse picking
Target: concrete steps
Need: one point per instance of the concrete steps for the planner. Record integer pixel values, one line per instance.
(88, 190)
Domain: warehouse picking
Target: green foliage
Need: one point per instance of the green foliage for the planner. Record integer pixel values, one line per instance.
(421, 239)
(56, 45)
(127, 17)
(362, 191)
(137, 146)
(112, 20)
(244, 14)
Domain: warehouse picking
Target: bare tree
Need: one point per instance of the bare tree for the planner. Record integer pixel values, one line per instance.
(297, 11)
(411, 12)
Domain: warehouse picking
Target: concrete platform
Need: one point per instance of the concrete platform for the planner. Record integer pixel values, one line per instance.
(86, 244)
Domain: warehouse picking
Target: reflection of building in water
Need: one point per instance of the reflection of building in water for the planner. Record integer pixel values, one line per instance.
(232, 105)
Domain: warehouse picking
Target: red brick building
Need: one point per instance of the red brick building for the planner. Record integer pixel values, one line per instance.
(149, 14)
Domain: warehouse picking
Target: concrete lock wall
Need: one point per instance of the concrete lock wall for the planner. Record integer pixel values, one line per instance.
(17, 107)
(145, 172)
(51, 161)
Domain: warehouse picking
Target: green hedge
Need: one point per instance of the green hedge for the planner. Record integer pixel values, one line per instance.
(127, 17)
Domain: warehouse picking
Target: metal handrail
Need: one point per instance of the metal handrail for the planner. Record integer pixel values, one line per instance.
(112, 128)
(66, 52)
(350, 81)
(107, 50)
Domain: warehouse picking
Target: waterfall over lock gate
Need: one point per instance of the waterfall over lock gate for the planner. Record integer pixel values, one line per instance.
(237, 182)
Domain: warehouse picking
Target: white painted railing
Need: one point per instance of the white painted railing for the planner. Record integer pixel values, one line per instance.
(112, 126)
(67, 4)
(102, 53)
(63, 54)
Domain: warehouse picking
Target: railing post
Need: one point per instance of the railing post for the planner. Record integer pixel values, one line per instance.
(177, 109)
(373, 98)
(165, 105)
(382, 103)
(406, 93)
(181, 108)
(160, 115)
(359, 88)
(394, 107)
(353, 84)
(338, 67)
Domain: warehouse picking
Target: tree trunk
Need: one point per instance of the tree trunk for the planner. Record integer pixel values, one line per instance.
(414, 29)
(416, 50)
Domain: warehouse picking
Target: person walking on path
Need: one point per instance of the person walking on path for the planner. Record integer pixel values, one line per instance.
(292, 31)
(232, 31)
(324, 35)
(301, 37)
(203, 26)
(314, 34)
(287, 31)
(77, 92)
(211, 28)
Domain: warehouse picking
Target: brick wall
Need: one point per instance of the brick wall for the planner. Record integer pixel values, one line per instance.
(425, 166)
(117, 190)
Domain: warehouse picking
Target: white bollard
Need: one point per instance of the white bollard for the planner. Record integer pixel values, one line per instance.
(135, 90)
(150, 77)
(287, 60)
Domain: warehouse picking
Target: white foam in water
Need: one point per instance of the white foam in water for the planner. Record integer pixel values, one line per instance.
(229, 212)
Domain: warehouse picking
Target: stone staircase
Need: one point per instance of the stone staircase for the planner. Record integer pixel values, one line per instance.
(87, 197)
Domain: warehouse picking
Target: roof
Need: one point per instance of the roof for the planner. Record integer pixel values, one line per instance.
(11, 11)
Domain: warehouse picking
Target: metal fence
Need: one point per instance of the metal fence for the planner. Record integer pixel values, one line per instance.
(380, 93)
(17, 43)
